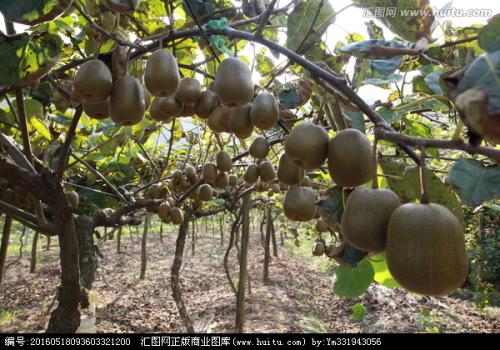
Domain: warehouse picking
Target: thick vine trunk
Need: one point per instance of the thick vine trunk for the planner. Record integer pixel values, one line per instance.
(87, 252)
(267, 248)
(222, 230)
(5, 244)
(47, 247)
(175, 273)
(273, 239)
(66, 317)
(119, 240)
(240, 297)
(144, 252)
(33, 252)
(161, 231)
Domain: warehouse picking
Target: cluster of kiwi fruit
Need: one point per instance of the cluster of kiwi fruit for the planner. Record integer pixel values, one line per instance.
(167, 210)
(262, 174)
(217, 175)
(225, 105)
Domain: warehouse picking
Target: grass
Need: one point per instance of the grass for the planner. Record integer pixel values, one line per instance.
(7, 317)
(305, 250)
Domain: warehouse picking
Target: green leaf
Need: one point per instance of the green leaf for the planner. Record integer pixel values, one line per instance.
(394, 170)
(40, 127)
(300, 24)
(32, 12)
(489, 38)
(358, 312)
(484, 73)
(474, 182)
(25, 58)
(371, 49)
(382, 273)
(352, 282)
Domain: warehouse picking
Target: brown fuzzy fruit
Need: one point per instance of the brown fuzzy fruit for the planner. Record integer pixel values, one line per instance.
(264, 111)
(127, 101)
(366, 217)
(259, 148)
(205, 192)
(176, 215)
(189, 91)
(350, 160)
(209, 171)
(165, 109)
(299, 204)
(93, 81)
(96, 110)
(288, 172)
(425, 249)
(218, 120)
(187, 110)
(240, 123)
(73, 199)
(222, 180)
(233, 180)
(161, 76)
(190, 172)
(321, 225)
(251, 174)
(205, 104)
(266, 171)
(318, 248)
(223, 161)
(307, 145)
(233, 83)
(164, 211)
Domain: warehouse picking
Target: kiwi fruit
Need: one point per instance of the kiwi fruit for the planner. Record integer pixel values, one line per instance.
(190, 172)
(288, 172)
(209, 171)
(276, 188)
(307, 146)
(93, 81)
(233, 83)
(266, 171)
(321, 225)
(165, 109)
(299, 204)
(73, 199)
(318, 248)
(233, 180)
(425, 249)
(306, 182)
(189, 91)
(239, 122)
(96, 110)
(161, 75)
(154, 191)
(222, 180)
(176, 215)
(265, 111)
(205, 192)
(127, 101)
(251, 174)
(177, 176)
(366, 217)
(223, 161)
(259, 148)
(164, 210)
(187, 110)
(218, 120)
(205, 104)
(350, 160)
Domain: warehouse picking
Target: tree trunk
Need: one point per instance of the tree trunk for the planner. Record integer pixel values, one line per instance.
(273, 239)
(66, 317)
(222, 230)
(144, 254)
(47, 247)
(33, 253)
(267, 248)
(240, 298)
(175, 272)
(161, 232)
(282, 238)
(5, 244)
(119, 240)
(193, 237)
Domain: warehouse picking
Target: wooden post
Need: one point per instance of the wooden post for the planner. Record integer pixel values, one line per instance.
(240, 297)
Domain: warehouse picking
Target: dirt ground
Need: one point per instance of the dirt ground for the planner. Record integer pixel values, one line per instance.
(298, 298)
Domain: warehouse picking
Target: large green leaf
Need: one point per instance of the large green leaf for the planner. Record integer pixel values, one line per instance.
(382, 273)
(352, 282)
(484, 73)
(409, 26)
(300, 24)
(405, 181)
(474, 182)
(31, 12)
(25, 58)
(489, 37)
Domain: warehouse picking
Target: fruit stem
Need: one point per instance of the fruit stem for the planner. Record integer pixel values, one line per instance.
(424, 196)
(374, 175)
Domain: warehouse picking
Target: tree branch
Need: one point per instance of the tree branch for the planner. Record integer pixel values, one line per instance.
(63, 159)
(264, 18)
(15, 153)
